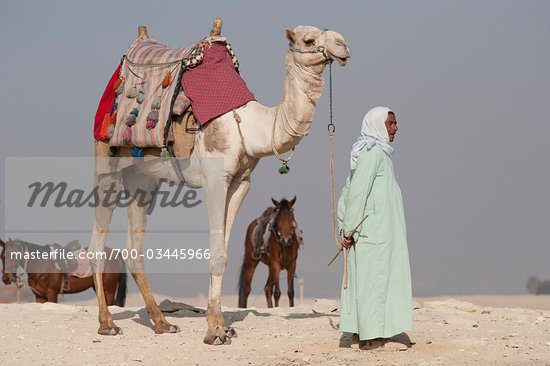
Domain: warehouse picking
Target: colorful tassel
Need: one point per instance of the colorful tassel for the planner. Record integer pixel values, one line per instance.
(135, 112)
(113, 117)
(152, 119)
(111, 131)
(132, 92)
(140, 97)
(118, 84)
(164, 154)
(167, 79)
(104, 127)
(131, 120)
(120, 89)
(156, 103)
(113, 150)
(114, 109)
(127, 135)
(137, 153)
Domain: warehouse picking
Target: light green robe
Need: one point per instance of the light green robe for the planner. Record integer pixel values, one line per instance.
(378, 300)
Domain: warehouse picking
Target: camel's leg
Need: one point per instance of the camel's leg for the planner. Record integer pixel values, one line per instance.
(137, 222)
(102, 220)
(221, 221)
(290, 281)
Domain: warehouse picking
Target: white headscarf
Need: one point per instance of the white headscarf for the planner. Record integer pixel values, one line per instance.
(373, 132)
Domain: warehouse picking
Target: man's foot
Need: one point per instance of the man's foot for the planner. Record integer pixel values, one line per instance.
(371, 344)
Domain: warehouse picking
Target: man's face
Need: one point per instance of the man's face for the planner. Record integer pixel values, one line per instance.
(391, 126)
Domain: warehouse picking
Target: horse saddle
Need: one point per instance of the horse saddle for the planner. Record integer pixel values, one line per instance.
(262, 231)
(61, 261)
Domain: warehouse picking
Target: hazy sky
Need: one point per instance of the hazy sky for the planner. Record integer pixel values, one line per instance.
(469, 82)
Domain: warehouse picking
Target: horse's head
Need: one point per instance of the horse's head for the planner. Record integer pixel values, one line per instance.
(9, 275)
(284, 222)
(315, 48)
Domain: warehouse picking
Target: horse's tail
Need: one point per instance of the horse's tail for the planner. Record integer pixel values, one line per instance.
(242, 285)
(120, 299)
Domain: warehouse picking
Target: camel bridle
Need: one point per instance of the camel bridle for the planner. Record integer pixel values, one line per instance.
(318, 49)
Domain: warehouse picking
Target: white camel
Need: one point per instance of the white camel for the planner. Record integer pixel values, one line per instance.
(241, 138)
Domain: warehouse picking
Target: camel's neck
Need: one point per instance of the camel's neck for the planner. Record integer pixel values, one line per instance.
(289, 121)
(303, 88)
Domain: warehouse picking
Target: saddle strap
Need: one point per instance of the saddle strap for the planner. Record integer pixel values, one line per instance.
(65, 285)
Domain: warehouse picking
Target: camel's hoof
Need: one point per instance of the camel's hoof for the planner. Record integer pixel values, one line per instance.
(167, 328)
(231, 333)
(110, 331)
(217, 340)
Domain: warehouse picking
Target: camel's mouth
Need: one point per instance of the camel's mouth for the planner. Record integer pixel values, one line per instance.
(342, 60)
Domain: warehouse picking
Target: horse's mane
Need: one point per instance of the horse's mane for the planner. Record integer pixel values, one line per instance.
(284, 211)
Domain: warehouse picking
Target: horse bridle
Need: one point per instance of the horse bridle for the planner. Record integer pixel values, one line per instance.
(278, 237)
(20, 278)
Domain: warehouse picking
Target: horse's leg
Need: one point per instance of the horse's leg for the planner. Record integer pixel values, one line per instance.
(291, 270)
(53, 283)
(137, 221)
(40, 299)
(247, 269)
(221, 220)
(248, 275)
(268, 288)
(109, 284)
(277, 292)
(102, 220)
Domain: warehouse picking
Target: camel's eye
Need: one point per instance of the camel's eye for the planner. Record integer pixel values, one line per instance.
(309, 41)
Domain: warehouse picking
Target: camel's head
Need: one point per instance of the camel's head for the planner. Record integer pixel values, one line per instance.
(313, 47)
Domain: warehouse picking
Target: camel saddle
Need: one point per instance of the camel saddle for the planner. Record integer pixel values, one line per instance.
(149, 89)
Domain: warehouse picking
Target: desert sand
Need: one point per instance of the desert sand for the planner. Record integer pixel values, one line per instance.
(487, 330)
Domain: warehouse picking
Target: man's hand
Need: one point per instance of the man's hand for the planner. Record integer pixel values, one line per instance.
(346, 243)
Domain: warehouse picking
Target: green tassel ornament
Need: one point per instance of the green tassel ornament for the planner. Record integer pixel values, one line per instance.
(113, 151)
(284, 169)
(164, 154)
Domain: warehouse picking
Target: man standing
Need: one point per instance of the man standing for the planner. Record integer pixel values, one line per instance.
(376, 301)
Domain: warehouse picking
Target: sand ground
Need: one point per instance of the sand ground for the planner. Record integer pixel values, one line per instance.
(487, 330)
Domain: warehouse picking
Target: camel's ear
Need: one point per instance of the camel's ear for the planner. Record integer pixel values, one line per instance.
(289, 33)
(291, 203)
(277, 204)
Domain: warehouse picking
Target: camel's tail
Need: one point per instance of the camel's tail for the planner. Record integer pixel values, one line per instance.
(120, 299)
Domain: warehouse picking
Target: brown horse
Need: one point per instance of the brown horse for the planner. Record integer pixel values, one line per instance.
(47, 282)
(280, 253)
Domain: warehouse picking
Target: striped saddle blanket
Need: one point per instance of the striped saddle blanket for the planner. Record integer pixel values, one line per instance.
(148, 93)
(148, 88)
